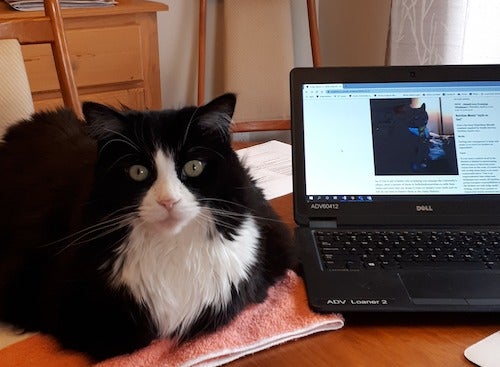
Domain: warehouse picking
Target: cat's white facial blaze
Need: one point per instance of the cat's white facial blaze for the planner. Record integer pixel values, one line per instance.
(175, 261)
(168, 205)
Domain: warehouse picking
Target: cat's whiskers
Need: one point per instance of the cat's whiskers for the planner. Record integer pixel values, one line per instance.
(125, 139)
(223, 132)
(128, 208)
(140, 139)
(102, 228)
(191, 120)
(218, 216)
(100, 232)
(229, 213)
(77, 233)
(118, 160)
(116, 246)
(223, 201)
(237, 216)
(129, 143)
(215, 220)
(199, 147)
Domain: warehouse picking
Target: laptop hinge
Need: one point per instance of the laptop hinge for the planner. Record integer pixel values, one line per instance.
(328, 223)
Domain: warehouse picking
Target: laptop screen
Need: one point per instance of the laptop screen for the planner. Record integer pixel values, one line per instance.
(415, 141)
(384, 139)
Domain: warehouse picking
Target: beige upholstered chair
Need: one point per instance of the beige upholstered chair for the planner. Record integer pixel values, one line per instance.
(15, 96)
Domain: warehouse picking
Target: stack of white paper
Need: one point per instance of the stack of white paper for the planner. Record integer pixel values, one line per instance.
(270, 164)
(26, 5)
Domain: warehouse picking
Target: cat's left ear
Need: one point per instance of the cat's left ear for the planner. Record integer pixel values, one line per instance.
(217, 114)
(222, 104)
(102, 121)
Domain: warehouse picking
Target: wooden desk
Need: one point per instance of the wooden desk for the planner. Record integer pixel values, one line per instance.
(378, 339)
(114, 55)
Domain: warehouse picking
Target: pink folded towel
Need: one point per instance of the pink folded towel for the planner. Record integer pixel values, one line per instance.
(284, 316)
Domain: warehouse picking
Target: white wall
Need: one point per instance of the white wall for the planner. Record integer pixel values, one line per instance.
(178, 37)
(177, 34)
(352, 32)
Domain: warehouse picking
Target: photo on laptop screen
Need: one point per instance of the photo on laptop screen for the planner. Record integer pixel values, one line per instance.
(413, 136)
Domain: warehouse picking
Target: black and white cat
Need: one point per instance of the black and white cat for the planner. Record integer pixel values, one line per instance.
(136, 226)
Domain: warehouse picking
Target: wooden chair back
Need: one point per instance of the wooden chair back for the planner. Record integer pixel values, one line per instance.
(48, 29)
(261, 125)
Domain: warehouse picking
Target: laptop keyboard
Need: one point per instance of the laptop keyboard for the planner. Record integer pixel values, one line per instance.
(355, 250)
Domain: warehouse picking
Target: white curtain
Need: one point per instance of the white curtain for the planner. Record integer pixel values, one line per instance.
(444, 32)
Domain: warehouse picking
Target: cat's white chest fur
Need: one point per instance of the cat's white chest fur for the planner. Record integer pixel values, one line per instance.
(176, 274)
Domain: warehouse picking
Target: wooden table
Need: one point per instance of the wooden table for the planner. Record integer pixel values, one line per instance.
(380, 339)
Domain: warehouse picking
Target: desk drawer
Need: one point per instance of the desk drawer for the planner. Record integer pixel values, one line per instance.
(98, 55)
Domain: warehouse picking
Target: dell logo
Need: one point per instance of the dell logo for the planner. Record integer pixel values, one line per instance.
(424, 208)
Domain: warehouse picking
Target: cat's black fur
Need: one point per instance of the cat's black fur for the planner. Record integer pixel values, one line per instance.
(408, 116)
(61, 176)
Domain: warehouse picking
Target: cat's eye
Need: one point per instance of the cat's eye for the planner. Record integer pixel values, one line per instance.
(193, 168)
(138, 172)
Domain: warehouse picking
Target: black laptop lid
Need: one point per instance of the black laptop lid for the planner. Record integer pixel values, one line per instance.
(396, 145)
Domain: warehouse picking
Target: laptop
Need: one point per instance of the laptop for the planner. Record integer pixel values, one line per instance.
(396, 179)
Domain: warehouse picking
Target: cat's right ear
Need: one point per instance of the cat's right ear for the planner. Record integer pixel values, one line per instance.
(102, 121)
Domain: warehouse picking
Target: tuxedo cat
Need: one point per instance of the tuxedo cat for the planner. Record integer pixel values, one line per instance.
(132, 226)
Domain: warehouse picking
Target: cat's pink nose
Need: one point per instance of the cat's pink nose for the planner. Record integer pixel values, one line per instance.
(168, 203)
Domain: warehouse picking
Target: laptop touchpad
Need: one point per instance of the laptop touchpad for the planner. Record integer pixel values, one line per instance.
(452, 287)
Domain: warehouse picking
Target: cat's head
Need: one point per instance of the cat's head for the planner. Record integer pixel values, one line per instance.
(413, 117)
(164, 167)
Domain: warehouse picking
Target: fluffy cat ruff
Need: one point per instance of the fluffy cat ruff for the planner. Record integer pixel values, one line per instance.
(136, 226)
